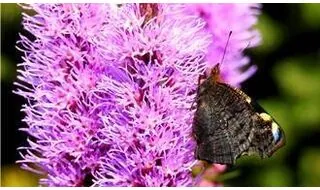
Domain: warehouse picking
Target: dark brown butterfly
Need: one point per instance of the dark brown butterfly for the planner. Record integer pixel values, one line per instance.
(228, 124)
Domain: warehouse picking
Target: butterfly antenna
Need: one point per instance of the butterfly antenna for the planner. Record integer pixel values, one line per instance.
(225, 48)
(215, 72)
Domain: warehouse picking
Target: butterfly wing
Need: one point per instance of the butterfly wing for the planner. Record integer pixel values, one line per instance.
(212, 140)
(227, 125)
(268, 136)
(222, 125)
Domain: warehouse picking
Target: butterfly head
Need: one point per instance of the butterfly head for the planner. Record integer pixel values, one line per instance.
(215, 73)
(206, 83)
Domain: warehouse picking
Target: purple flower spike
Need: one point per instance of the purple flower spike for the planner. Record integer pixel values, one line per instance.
(61, 66)
(145, 103)
(109, 89)
(220, 20)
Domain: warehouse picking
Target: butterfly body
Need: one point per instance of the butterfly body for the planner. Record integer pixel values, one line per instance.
(227, 124)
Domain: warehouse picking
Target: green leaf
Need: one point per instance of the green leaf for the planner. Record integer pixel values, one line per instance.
(10, 12)
(309, 167)
(275, 176)
(310, 13)
(8, 72)
(298, 78)
(271, 32)
(13, 176)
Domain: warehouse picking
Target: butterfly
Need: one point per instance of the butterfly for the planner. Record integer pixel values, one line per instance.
(228, 124)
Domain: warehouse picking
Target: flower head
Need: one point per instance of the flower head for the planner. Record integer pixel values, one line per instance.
(60, 67)
(109, 90)
(147, 118)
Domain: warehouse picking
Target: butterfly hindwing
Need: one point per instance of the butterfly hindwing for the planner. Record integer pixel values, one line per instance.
(268, 136)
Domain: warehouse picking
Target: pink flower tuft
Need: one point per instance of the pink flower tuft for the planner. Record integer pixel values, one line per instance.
(220, 20)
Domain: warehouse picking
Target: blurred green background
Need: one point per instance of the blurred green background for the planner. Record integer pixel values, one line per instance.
(287, 85)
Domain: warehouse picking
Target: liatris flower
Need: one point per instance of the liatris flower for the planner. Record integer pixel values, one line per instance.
(61, 66)
(144, 103)
(220, 20)
(109, 90)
